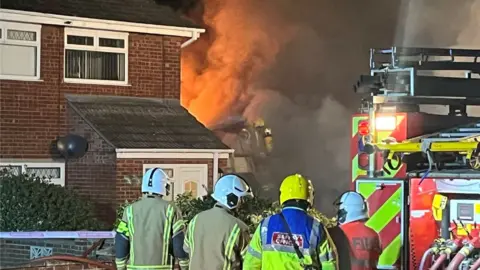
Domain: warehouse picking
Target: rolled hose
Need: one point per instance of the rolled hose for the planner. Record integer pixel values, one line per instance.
(75, 259)
(456, 261)
(476, 265)
(439, 261)
(425, 256)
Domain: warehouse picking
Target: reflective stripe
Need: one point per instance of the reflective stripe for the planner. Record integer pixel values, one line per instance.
(123, 228)
(264, 230)
(178, 226)
(166, 234)
(314, 237)
(190, 238)
(386, 212)
(254, 253)
(131, 229)
(326, 252)
(229, 248)
(380, 219)
(159, 267)
(120, 262)
(288, 249)
(391, 253)
(326, 257)
(243, 252)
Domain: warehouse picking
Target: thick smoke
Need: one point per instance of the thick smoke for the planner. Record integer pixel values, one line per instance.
(293, 63)
(422, 23)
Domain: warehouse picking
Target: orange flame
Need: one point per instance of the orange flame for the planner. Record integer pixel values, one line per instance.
(221, 70)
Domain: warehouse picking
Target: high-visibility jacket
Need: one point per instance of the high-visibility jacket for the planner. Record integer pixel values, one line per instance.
(149, 225)
(364, 245)
(271, 248)
(216, 240)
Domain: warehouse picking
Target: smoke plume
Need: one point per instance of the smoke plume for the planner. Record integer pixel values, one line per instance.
(422, 23)
(293, 63)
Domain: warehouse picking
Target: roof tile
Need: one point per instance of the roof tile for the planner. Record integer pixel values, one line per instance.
(136, 123)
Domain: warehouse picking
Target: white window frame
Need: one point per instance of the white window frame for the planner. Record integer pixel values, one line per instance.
(61, 165)
(37, 44)
(176, 170)
(95, 48)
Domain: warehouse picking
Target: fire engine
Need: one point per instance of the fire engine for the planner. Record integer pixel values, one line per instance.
(420, 172)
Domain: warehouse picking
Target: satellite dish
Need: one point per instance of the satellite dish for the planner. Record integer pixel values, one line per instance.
(72, 146)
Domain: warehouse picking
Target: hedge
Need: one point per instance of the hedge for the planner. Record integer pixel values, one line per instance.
(30, 203)
(252, 211)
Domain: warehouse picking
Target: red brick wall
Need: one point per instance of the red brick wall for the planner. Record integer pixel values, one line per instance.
(93, 175)
(32, 114)
(128, 167)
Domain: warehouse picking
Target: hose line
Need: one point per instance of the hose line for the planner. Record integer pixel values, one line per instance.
(425, 257)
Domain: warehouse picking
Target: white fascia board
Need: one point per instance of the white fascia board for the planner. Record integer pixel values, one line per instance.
(173, 153)
(79, 22)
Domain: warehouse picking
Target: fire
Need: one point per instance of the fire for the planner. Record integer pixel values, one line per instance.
(221, 72)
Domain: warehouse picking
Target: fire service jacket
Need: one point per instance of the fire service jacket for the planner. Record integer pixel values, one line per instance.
(271, 248)
(364, 245)
(216, 240)
(149, 233)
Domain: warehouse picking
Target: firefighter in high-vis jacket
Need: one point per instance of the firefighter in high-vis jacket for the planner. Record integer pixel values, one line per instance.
(215, 239)
(271, 247)
(151, 229)
(364, 241)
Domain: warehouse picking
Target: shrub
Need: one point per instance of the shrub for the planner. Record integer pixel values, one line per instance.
(29, 203)
(252, 211)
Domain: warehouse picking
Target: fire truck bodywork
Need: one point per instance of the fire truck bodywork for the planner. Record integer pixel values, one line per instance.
(419, 172)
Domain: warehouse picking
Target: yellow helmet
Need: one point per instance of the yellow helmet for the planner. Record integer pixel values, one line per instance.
(297, 187)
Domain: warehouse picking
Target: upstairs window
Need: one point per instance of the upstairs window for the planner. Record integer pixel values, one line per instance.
(19, 51)
(96, 57)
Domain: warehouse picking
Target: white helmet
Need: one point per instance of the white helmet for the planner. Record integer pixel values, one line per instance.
(155, 182)
(230, 189)
(351, 207)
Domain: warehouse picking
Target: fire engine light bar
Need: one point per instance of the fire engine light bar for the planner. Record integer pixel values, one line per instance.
(385, 123)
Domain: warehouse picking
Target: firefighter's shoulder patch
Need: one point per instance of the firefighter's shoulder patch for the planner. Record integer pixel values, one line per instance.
(283, 239)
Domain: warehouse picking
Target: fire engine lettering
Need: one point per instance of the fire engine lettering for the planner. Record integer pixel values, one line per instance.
(283, 239)
(364, 243)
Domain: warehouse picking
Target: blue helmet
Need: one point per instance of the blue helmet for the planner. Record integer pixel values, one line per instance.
(155, 181)
(230, 189)
(351, 207)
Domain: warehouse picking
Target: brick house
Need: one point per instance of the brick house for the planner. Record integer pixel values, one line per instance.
(108, 71)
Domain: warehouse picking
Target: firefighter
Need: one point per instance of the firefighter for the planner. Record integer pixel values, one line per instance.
(215, 239)
(364, 241)
(151, 229)
(271, 247)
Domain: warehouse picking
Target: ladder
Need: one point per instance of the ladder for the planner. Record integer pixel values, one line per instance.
(463, 140)
(397, 72)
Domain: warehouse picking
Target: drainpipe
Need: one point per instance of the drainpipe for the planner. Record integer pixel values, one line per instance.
(195, 36)
(215, 167)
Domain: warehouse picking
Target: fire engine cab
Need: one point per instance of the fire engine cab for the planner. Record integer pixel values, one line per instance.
(420, 172)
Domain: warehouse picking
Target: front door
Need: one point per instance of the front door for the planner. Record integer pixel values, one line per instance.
(385, 199)
(192, 179)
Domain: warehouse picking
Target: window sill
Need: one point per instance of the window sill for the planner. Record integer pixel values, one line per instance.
(96, 82)
(15, 78)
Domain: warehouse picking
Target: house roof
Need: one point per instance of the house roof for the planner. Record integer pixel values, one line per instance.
(142, 123)
(134, 11)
